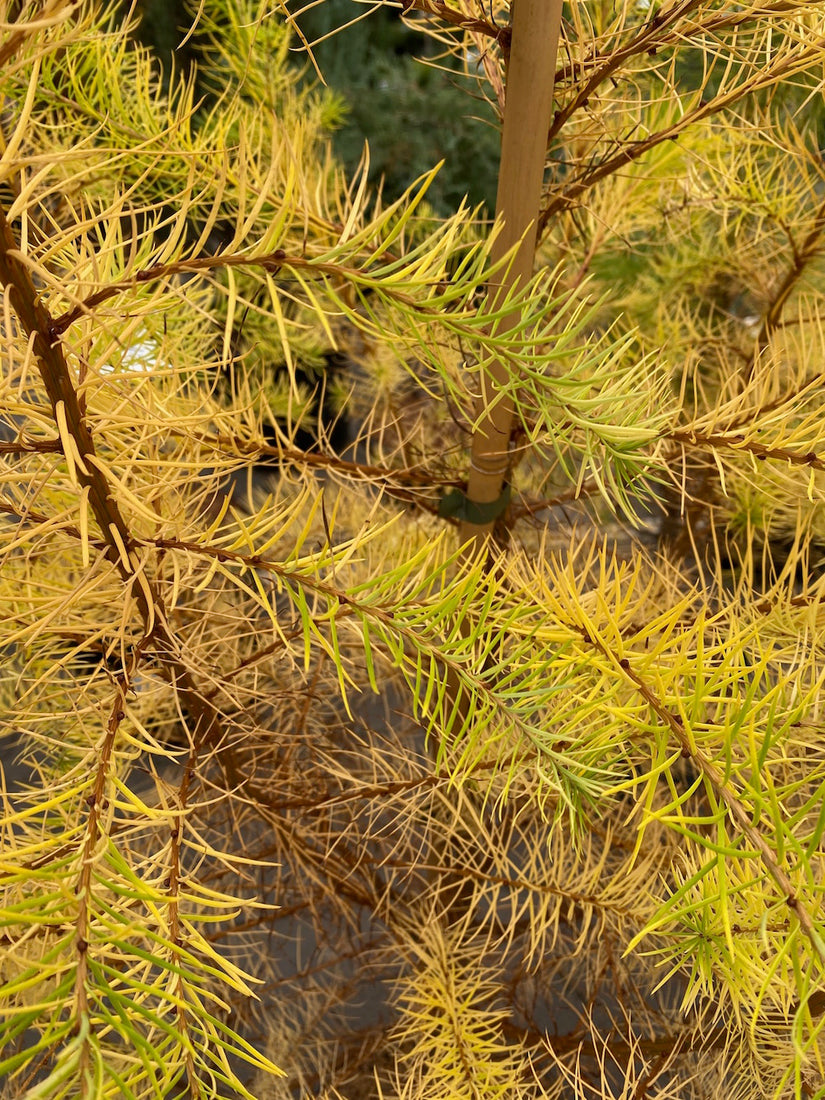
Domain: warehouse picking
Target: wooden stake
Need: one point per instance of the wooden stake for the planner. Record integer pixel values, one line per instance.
(527, 114)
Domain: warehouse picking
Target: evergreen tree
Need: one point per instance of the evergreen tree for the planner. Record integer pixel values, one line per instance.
(312, 796)
(410, 99)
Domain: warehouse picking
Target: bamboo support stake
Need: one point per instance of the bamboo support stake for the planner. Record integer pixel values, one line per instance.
(527, 113)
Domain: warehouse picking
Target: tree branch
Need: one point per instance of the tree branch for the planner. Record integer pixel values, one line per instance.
(725, 791)
(460, 20)
(687, 437)
(568, 194)
(78, 448)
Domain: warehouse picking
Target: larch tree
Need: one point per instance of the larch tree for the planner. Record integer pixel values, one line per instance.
(306, 792)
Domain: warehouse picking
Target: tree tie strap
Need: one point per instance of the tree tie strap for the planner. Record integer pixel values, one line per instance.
(455, 503)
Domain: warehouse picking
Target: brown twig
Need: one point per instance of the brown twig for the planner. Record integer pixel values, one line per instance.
(31, 446)
(269, 261)
(687, 437)
(461, 21)
(802, 257)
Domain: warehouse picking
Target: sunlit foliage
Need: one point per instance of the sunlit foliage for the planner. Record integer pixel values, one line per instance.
(300, 798)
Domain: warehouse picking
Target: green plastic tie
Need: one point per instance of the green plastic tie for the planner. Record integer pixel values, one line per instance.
(455, 503)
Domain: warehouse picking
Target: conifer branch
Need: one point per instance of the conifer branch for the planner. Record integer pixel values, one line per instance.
(416, 484)
(530, 507)
(786, 400)
(271, 262)
(662, 30)
(79, 449)
(803, 255)
(31, 446)
(97, 802)
(650, 37)
(226, 704)
(570, 191)
(724, 789)
(688, 437)
(461, 21)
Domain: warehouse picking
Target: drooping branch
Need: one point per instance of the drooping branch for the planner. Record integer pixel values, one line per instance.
(271, 262)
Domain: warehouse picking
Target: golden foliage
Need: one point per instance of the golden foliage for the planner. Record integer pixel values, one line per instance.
(292, 780)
